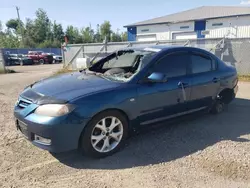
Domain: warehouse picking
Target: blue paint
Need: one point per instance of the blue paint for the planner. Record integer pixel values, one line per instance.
(87, 94)
(200, 26)
(56, 51)
(131, 33)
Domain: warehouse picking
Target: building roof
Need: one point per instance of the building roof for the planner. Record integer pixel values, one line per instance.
(200, 13)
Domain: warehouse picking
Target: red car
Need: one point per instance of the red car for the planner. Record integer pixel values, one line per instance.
(40, 57)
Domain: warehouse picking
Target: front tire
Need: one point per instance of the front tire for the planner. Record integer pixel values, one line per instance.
(105, 134)
(41, 61)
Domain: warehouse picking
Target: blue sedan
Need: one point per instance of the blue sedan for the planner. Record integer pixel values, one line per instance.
(96, 109)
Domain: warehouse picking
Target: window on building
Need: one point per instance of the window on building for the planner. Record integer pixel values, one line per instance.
(144, 30)
(173, 65)
(202, 64)
(184, 27)
(217, 24)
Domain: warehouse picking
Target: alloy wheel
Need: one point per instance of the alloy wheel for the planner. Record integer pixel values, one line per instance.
(107, 134)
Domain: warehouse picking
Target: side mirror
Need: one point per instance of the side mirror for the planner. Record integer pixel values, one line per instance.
(156, 77)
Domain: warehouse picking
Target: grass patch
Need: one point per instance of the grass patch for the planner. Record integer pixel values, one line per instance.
(63, 71)
(7, 71)
(245, 78)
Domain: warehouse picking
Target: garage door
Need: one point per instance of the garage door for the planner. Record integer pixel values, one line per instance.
(190, 35)
(146, 37)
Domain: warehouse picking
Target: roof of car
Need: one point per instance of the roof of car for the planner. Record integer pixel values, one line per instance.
(158, 48)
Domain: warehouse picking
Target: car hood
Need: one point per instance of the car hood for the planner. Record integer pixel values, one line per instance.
(68, 86)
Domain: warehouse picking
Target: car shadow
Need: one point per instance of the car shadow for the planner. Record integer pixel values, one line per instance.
(174, 141)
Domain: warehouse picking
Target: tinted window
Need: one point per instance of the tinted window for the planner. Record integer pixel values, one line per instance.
(201, 64)
(173, 65)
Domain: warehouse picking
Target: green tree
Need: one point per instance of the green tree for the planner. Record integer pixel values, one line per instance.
(105, 30)
(97, 35)
(42, 25)
(30, 34)
(73, 35)
(8, 40)
(87, 35)
(116, 37)
(12, 24)
(57, 32)
(1, 26)
(124, 36)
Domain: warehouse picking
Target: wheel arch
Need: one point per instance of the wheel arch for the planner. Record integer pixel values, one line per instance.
(227, 95)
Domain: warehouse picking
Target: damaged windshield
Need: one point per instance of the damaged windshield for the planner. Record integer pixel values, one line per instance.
(122, 65)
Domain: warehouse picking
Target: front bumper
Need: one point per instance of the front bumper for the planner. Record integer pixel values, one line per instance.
(64, 132)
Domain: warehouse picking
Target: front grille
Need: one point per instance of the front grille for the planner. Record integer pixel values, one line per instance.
(23, 103)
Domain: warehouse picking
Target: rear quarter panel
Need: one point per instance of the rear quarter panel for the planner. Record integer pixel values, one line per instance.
(228, 76)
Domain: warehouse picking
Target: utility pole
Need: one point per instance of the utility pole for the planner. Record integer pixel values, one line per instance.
(20, 25)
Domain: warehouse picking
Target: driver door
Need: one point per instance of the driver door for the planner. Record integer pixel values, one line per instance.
(165, 100)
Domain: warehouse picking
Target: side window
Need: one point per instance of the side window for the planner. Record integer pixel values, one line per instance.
(202, 64)
(173, 65)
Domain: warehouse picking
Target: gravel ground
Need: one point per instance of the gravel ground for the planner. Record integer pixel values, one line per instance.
(207, 151)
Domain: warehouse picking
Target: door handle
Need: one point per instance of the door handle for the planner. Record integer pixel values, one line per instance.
(182, 85)
(215, 80)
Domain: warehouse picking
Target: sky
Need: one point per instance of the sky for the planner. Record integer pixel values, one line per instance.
(82, 13)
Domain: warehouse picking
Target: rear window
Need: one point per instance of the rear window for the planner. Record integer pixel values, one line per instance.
(201, 64)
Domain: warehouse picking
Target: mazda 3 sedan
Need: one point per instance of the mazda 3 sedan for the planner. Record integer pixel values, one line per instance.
(95, 109)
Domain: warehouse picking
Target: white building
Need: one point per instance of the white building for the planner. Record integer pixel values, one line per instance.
(202, 22)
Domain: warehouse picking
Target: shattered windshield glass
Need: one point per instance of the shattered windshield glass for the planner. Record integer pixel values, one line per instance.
(125, 64)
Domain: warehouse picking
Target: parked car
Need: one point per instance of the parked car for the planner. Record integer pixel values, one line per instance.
(95, 109)
(40, 57)
(56, 58)
(18, 59)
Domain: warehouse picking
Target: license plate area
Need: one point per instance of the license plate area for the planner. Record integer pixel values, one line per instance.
(22, 127)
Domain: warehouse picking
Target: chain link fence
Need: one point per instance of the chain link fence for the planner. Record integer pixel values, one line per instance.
(233, 51)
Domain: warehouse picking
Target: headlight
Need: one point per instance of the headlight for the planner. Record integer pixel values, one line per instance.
(54, 110)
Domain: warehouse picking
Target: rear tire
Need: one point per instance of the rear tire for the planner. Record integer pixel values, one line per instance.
(218, 107)
(104, 135)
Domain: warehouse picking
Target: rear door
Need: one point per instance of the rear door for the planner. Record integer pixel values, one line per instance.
(205, 80)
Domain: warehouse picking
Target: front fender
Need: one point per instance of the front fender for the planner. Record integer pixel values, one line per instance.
(122, 99)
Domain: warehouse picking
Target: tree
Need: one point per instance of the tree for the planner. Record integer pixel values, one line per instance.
(42, 32)
(97, 35)
(87, 35)
(1, 27)
(73, 35)
(57, 32)
(12, 24)
(30, 34)
(116, 37)
(105, 30)
(124, 36)
(42, 25)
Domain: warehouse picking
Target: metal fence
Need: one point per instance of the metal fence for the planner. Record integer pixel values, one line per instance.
(233, 51)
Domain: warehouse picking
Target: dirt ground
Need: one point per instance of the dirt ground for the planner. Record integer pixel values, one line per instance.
(208, 151)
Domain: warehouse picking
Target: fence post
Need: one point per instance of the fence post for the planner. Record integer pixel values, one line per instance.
(187, 43)
(2, 62)
(106, 44)
(63, 56)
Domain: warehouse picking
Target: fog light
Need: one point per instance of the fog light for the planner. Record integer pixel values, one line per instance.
(41, 140)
